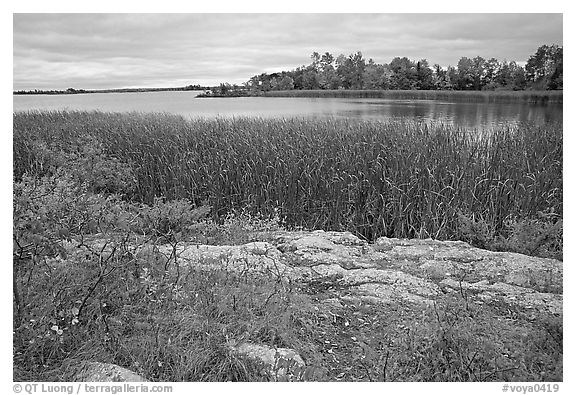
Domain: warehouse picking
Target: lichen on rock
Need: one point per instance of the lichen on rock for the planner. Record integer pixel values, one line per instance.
(388, 270)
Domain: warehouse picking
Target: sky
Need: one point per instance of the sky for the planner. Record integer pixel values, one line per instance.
(98, 51)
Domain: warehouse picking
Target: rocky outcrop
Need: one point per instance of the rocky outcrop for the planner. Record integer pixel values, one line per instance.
(388, 271)
(374, 294)
(99, 372)
(280, 363)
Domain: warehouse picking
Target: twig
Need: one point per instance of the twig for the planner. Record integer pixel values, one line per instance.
(367, 371)
(386, 363)
(499, 371)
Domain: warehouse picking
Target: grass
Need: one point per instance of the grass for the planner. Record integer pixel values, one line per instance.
(395, 179)
(137, 308)
(458, 96)
(89, 284)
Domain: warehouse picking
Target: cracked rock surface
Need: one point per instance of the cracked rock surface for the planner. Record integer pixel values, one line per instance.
(389, 271)
(279, 362)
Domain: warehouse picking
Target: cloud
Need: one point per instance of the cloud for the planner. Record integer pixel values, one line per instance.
(57, 51)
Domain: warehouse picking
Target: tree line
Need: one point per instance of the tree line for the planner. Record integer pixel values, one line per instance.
(543, 71)
(73, 91)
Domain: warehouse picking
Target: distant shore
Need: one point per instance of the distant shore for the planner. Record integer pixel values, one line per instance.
(498, 96)
(460, 96)
(72, 91)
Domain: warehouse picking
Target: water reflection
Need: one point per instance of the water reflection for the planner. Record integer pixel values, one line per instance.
(469, 115)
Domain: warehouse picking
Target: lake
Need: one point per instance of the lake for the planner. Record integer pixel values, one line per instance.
(468, 115)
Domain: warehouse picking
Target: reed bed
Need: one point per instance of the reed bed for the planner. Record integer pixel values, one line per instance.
(395, 179)
(456, 96)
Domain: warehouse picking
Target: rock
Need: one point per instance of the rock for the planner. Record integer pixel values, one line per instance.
(388, 271)
(98, 371)
(321, 247)
(386, 285)
(386, 294)
(260, 248)
(383, 244)
(441, 259)
(332, 304)
(320, 236)
(281, 363)
(512, 295)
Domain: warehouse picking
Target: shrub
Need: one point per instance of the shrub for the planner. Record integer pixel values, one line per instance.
(170, 219)
(540, 236)
(477, 232)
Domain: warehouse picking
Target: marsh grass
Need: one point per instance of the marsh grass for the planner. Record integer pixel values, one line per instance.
(395, 179)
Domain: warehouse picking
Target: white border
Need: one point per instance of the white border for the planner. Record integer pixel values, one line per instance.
(297, 6)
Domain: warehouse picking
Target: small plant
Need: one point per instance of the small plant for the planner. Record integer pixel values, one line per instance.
(169, 219)
(474, 231)
(541, 236)
(242, 227)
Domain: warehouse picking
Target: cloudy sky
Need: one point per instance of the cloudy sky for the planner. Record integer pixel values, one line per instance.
(91, 51)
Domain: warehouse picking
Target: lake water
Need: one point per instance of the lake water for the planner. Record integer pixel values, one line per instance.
(469, 115)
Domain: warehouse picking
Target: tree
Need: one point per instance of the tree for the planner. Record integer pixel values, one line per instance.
(424, 78)
(224, 88)
(440, 78)
(343, 71)
(310, 79)
(557, 77)
(376, 76)
(283, 83)
(536, 64)
(544, 69)
(253, 83)
(478, 65)
(328, 78)
(350, 70)
(556, 66)
(298, 77)
(326, 61)
(358, 67)
(517, 77)
(465, 80)
(490, 69)
(315, 60)
(451, 77)
(403, 73)
(503, 76)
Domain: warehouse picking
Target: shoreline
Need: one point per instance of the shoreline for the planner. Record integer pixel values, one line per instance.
(544, 97)
(554, 97)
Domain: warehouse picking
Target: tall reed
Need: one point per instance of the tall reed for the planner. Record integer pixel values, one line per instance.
(396, 179)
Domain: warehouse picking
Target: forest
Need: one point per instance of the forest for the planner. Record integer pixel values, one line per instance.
(542, 71)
